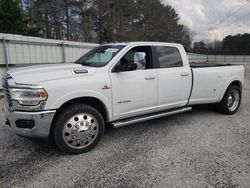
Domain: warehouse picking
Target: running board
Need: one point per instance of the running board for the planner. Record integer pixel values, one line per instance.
(149, 117)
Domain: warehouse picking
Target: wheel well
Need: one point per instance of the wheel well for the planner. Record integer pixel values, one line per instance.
(94, 102)
(237, 83)
(234, 83)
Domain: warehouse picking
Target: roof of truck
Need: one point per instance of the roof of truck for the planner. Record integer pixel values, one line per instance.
(143, 43)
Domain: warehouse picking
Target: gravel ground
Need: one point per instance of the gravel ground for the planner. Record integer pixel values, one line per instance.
(201, 148)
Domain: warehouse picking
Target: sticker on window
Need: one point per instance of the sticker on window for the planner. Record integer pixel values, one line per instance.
(112, 50)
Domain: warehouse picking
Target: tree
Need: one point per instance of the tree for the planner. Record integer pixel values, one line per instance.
(158, 22)
(11, 17)
(208, 47)
(237, 45)
(103, 20)
(199, 47)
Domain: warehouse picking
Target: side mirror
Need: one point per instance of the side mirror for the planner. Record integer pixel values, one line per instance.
(140, 59)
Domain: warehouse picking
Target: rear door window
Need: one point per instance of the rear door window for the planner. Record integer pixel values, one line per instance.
(169, 57)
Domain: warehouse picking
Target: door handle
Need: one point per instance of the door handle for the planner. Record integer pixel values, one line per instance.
(149, 77)
(184, 74)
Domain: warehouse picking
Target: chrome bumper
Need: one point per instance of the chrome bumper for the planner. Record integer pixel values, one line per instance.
(42, 122)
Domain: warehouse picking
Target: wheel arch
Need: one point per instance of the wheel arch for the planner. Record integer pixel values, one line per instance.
(233, 82)
(92, 101)
(236, 83)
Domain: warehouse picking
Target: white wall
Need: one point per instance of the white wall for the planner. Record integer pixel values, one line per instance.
(24, 51)
(27, 50)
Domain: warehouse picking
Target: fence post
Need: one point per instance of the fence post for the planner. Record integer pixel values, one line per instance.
(63, 52)
(6, 54)
(207, 57)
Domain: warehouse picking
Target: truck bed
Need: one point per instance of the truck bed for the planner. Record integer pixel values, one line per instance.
(205, 64)
(210, 81)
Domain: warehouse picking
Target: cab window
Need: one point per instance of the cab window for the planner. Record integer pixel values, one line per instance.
(169, 57)
(140, 56)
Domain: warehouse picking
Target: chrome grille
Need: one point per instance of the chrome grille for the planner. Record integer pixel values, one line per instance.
(6, 91)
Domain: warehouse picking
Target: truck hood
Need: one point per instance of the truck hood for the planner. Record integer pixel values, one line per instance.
(42, 73)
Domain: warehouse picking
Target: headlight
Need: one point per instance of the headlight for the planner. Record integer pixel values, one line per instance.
(28, 97)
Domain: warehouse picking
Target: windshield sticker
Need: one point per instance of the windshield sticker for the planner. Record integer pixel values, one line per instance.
(112, 50)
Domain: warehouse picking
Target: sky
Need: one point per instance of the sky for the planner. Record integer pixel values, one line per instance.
(213, 19)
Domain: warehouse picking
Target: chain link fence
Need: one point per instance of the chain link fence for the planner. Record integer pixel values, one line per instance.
(237, 59)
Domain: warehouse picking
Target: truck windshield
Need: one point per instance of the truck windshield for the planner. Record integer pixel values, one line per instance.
(100, 56)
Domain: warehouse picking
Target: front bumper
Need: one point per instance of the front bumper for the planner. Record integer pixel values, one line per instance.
(42, 122)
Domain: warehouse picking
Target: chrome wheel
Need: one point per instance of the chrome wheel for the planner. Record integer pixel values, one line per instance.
(233, 100)
(80, 130)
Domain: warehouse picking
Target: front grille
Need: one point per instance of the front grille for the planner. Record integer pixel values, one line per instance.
(7, 91)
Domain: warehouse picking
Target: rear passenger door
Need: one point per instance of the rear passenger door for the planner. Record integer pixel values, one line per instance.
(174, 77)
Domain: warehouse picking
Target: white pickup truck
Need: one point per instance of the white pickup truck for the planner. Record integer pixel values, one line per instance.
(115, 84)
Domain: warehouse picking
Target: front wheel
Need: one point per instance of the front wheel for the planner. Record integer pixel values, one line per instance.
(231, 100)
(78, 129)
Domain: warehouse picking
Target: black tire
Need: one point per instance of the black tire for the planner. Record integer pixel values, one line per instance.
(223, 106)
(65, 116)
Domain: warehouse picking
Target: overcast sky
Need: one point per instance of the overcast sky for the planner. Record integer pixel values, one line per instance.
(213, 19)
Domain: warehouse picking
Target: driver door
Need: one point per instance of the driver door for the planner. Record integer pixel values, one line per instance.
(134, 91)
